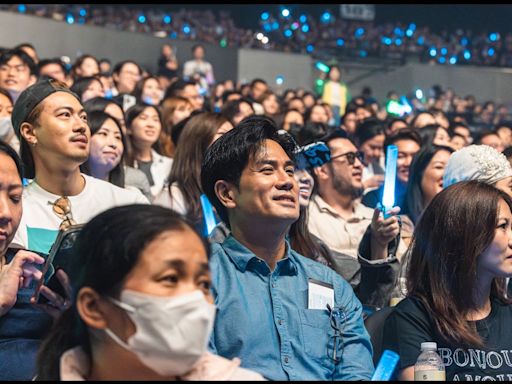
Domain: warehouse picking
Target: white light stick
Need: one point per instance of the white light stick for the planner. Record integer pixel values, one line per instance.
(388, 197)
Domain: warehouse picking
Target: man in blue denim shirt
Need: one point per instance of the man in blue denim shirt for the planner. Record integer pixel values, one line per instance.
(262, 288)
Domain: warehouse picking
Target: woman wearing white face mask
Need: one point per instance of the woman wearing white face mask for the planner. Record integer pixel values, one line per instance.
(7, 134)
(142, 309)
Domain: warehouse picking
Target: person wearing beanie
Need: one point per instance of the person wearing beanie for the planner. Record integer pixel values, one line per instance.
(51, 124)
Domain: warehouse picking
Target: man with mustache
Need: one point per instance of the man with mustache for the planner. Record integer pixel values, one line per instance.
(51, 125)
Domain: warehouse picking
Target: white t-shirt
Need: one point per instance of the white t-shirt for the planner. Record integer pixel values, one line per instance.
(39, 225)
(175, 202)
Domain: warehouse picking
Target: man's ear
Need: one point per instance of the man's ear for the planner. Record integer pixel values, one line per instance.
(322, 173)
(92, 308)
(225, 193)
(32, 80)
(28, 133)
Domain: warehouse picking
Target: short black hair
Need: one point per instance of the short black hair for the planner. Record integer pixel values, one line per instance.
(176, 87)
(403, 134)
(24, 57)
(228, 156)
(56, 60)
(367, 129)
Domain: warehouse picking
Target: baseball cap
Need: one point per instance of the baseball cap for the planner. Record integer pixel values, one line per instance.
(31, 97)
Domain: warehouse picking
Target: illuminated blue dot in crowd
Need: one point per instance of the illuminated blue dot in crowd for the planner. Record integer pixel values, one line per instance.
(167, 19)
(398, 42)
(387, 40)
(70, 19)
(467, 55)
(493, 36)
(409, 32)
(142, 19)
(288, 33)
(279, 80)
(326, 17)
(398, 32)
(421, 40)
(305, 28)
(363, 53)
(412, 27)
(310, 48)
(267, 27)
(464, 41)
(444, 51)
(265, 16)
(295, 26)
(303, 18)
(81, 20)
(419, 94)
(186, 29)
(359, 32)
(340, 42)
(490, 51)
(285, 12)
(173, 35)
(442, 60)
(275, 25)
(22, 8)
(433, 52)
(453, 60)
(83, 12)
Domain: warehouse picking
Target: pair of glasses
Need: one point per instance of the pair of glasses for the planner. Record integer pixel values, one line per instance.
(351, 157)
(62, 208)
(337, 318)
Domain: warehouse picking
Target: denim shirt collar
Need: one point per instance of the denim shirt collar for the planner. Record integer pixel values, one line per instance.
(244, 258)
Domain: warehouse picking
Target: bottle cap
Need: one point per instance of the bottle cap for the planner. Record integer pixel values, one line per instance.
(429, 346)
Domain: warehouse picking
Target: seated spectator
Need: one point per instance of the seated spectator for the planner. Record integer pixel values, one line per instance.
(425, 179)
(184, 182)
(22, 325)
(271, 104)
(106, 156)
(395, 124)
(167, 66)
(7, 134)
(422, 119)
(85, 66)
(51, 125)
(317, 114)
(298, 104)
(260, 285)
(434, 134)
(125, 75)
(24, 73)
(349, 122)
(174, 110)
(457, 141)
(142, 311)
(292, 117)
(187, 89)
(29, 50)
(53, 68)
(504, 131)
(369, 139)
(492, 139)
(463, 130)
(108, 106)
(148, 91)
(237, 110)
(88, 88)
(144, 124)
(455, 285)
(408, 143)
(256, 89)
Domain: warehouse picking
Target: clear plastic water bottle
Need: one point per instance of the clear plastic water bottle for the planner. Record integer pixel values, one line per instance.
(429, 366)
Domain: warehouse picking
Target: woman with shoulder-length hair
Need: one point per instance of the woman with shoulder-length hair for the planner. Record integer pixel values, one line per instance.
(184, 182)
(461, 253)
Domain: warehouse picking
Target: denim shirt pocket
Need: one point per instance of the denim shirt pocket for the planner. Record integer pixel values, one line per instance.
(316, 333)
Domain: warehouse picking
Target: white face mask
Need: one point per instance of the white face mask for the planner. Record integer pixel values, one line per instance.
(171, 332)
(6, 128)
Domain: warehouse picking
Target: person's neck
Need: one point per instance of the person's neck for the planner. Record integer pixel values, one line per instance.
(344, 205)
(143, 152)
(62, 182)
(99, 172)
(108, 364)
(265, 241)
(482, 298)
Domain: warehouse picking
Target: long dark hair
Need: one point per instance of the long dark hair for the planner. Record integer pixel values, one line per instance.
(106, 251)
(414, 197)
(95, 121)
(81, 84)
(456, 228)
(195, 139)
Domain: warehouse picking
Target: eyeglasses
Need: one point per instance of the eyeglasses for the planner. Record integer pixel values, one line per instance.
(62, 208)
(351, 157)
(337, 319)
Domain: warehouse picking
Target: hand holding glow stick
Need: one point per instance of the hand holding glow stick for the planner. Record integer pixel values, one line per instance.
(388, 197)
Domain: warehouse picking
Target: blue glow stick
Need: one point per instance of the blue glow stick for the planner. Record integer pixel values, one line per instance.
(209, 216)
(386, 366)
(388, 197)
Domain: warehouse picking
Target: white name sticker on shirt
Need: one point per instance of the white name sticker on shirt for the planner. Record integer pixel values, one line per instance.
(320, 294)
